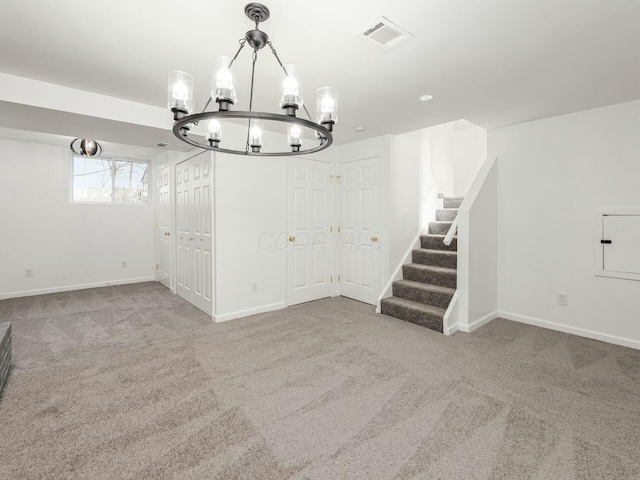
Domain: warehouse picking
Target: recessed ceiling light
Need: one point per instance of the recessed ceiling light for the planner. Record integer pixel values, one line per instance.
(359, 128)
(425, 98)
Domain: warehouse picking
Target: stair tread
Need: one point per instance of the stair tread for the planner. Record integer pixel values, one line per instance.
(417, 306)
(421, 266)
(453, 198)
(427, 286)
(451, 253)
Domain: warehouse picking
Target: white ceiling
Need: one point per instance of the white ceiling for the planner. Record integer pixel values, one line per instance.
(493, 62)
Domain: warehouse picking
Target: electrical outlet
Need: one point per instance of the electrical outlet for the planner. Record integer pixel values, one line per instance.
(28, 272)
(254, 287)
(123, 264)
(563, 299)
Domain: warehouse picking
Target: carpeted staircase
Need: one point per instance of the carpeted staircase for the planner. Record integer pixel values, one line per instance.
(428, 284)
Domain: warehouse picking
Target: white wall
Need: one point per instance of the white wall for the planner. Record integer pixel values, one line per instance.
(477, 253)
(67, 245)
(552, 174)
(250, 206)
(469, 151)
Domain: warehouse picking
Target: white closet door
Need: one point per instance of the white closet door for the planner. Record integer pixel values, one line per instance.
(311, 243)
(201, 239)
(184, 229)
(163, 230)
(360, 235)
(194, 219)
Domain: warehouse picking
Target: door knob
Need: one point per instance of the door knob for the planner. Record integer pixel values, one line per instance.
(191, 239)
(374, 239)
(166, 234)
(292, 238)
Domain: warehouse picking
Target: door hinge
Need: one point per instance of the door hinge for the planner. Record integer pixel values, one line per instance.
(157, 267)
(331, 278)
(338, 228)
(338, 179)
(331, 229)
(331, 178)
(338, 277)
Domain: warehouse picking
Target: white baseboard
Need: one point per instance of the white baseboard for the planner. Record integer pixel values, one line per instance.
(478, 323)
(70, 288)
(451, 330)
(582, 332)
(245, 313)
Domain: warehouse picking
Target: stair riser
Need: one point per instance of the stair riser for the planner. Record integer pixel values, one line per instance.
(426, 276)
(439, 228)
(435, 259)
(423, 319)
(446, 215)
(452, 202)
(436, 243)
(437, 299)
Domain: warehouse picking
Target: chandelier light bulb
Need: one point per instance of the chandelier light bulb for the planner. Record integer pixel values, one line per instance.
(327, 105)
(290, 87)
(255, 136)
(180, 92)
(294, 134)
(214, 131)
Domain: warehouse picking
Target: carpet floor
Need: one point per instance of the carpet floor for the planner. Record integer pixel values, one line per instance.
(132, 382)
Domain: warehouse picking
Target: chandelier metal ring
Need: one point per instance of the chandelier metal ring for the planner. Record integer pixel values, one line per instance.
(178, 130)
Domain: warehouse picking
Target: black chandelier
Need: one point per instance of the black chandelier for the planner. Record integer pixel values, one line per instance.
(223, 92)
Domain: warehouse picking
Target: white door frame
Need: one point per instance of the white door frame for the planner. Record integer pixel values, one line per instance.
(160, 179)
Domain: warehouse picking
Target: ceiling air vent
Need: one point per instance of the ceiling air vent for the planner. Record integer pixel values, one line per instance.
(385, 33)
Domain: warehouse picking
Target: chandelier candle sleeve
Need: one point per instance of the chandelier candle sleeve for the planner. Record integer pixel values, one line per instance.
(214, 133)
(294, 133)
(180, 94)
(291, 90)
(255, 136)
(224, 89)
(327, 106)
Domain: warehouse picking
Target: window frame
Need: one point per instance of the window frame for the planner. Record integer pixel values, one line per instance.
(112, 159)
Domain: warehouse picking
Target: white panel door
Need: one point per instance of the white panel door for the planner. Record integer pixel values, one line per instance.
(201, 239)
(623, 253)
(360, 236)
(163, 230)
(184, 229)
(311, 242)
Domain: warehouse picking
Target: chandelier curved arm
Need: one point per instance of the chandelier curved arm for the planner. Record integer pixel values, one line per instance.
(179, 130)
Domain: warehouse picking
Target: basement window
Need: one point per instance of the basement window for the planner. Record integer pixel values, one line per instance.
(109, 180)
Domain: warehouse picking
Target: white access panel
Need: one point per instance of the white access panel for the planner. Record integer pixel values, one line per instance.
(623, 253)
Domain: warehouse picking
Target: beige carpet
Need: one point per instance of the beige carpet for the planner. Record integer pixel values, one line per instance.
(132, 382)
